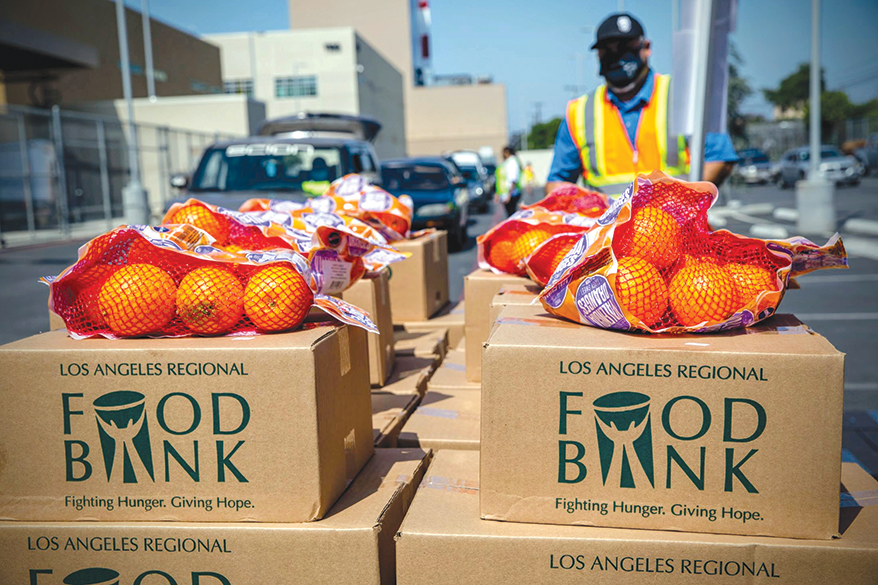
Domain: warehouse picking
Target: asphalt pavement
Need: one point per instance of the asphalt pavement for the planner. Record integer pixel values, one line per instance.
(840, 304)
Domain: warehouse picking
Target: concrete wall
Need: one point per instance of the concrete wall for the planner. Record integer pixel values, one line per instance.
(463, 116)
(384, 24)
(286, 54)
(380, 92)
(204, 116)
(192, 66)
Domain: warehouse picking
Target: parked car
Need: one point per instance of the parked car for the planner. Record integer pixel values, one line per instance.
(294, 158)
(476, 175)
(868, 155)
(439, 192)
(754, 166)
(834, 165)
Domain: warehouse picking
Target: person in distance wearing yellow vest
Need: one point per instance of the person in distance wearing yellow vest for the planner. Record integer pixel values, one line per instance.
(623, 127)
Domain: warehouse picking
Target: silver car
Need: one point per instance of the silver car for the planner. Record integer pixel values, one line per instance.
(834, 165)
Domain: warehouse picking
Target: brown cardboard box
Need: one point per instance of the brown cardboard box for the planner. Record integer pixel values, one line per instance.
(451, 373)
(461, 345)
(443, 541)
(480, 286)
(410, 373)
(666, 430)
(55, 321)
(270, 428)
(352, 544)
(513, 294)
(389, 413)
(450, 317)
(373, 295)
(419, 285)
(445, 419)
(421, 343)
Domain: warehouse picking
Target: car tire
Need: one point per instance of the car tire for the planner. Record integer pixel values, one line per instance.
(461, 236)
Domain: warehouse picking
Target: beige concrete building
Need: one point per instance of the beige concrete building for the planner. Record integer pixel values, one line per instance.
(437, 118)
(65, 51)
(317, 70)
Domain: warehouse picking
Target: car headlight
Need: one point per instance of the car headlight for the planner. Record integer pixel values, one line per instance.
(824, 167)
(479, 190)
(435, 209)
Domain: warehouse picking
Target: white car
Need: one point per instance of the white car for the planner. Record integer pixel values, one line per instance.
(834, 166)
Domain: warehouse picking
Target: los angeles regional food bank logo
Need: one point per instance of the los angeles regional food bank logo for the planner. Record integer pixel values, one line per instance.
(624, 436)
(105, 576)
(124, 433)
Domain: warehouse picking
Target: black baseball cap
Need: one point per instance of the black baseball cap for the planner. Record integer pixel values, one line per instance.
(621, 25)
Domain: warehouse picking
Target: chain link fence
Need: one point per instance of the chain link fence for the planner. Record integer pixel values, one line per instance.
(60, 169)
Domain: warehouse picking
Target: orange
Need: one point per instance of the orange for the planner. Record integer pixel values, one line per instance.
(651, 234)
(277, 298)
(202, 217)
(641, 289)
(751, 280)
(525, 244)
(703, 291)
(137, 299)
(89, 284)
(210, 300)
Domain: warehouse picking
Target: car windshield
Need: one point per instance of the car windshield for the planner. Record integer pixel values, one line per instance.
(830, 152)
(271, 166)
(754, 158)
(469, 173)
(415, 178)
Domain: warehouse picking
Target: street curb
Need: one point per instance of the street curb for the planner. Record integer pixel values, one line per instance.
(40, 245)
(866, 227)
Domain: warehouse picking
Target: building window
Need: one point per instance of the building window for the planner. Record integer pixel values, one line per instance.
(243, 86)
(301, 86)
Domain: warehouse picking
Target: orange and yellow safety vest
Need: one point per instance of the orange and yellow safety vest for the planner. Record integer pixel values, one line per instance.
(609, 161)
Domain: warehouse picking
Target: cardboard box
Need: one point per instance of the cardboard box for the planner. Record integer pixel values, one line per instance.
(419, 285)
(352, 544)
(735, 433)
(451, 373)
(445, 419)
(270, 428)
(410, 374)
(461, 345)
(450, 317)
(480, 286)
(421, 343)
(373, 295)
(389, 413)
(55, 321)
(443, 541)
(513, 294)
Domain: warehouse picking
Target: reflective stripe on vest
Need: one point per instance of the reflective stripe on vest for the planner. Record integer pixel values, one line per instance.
(610, 164)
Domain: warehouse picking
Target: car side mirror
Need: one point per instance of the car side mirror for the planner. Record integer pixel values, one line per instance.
(180, 180)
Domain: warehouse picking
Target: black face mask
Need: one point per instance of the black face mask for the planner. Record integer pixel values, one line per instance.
(621, 69)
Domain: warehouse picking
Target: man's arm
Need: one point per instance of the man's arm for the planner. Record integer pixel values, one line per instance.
(719, 157)
(566, 164)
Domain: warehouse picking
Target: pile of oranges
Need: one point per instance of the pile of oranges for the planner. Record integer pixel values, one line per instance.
(517, 243)
(124, 290)
(667, 276)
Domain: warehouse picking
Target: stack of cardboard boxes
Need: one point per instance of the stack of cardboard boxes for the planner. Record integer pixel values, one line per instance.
(724, 450)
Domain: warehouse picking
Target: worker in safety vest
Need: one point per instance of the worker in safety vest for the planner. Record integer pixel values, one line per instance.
(623, 128)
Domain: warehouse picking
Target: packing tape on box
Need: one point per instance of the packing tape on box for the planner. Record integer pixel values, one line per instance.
(451, 484)
(859, 499)
(548, 322)
(446, 413)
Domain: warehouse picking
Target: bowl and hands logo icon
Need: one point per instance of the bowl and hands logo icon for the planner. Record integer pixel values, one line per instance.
(624, 430)
(124, 434)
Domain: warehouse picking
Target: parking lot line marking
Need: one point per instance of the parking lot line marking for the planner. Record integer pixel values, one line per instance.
(837, 316)
(862, 387)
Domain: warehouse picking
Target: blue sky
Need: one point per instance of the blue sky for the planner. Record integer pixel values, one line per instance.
(532, 46)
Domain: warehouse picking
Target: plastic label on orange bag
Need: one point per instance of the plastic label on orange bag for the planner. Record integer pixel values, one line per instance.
(653, 264)
(573, 199)
(177, 281)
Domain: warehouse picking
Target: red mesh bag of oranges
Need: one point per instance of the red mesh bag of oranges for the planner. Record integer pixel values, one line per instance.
(174, 282)
(571, 198)
(354, 196)
(343, 253)
(504, 248)
(653, 264)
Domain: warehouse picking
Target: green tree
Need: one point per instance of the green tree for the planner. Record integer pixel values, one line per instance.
(794, 89)
(543, 135)
(739, 90)
(835, 107)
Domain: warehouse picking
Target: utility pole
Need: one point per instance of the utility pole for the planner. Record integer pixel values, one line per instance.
(815, 197)
(147, 51)
(704, 44)
(135, 200)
